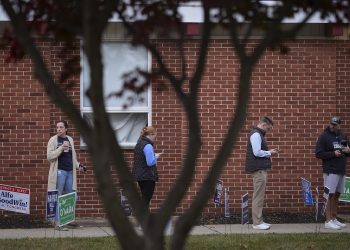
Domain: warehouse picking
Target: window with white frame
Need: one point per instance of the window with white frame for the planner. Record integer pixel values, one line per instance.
(131, 111)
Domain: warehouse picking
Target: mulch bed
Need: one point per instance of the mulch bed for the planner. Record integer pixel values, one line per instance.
(22, 221)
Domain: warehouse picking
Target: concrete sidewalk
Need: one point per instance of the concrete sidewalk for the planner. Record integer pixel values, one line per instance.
(105, 230)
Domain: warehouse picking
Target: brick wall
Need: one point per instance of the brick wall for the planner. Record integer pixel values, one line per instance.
(24, 129)
(299, 91)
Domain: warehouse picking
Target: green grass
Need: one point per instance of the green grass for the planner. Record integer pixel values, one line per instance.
(336, 241)
(60, 243)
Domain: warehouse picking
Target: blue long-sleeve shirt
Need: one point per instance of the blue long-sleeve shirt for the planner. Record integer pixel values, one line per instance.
(151, 158)
(255, 140)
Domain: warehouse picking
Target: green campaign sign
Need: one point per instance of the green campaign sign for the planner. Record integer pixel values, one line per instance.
(346, 195)
(66, 208)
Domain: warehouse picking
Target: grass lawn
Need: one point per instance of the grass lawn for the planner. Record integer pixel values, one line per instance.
(336, 241)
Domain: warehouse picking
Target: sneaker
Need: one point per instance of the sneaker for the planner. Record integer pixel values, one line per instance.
(331, 225)
(61, 228)
(261, 226)
(338, 223)
(267, 224)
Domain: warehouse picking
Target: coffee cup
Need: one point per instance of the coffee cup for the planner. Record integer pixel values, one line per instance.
(66, 146)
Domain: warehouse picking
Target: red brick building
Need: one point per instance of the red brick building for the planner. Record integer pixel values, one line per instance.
(300, 91)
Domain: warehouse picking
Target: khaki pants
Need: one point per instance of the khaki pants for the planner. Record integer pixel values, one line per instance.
(259, 183)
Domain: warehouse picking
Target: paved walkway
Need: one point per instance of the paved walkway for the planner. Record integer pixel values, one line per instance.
(101, 230)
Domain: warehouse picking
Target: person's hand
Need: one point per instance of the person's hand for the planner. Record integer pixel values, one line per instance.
(338, 153)
(345, 149)
(158, 154)
(82, 167)
(274, 151)
(65, 146)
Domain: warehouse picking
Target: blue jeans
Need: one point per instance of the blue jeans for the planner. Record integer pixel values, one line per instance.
(64, 183)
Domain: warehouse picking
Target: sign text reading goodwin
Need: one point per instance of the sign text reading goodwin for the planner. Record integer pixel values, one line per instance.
(15, 199)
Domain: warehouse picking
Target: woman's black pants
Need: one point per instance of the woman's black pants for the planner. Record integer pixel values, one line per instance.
(147, 189)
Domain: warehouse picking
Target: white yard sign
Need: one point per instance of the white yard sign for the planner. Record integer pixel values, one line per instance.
(15, 199)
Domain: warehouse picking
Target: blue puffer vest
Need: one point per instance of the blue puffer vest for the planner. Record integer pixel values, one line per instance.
(254, 163)
(141, 171)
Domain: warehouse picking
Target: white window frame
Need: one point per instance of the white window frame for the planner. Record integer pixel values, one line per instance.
(117, 110)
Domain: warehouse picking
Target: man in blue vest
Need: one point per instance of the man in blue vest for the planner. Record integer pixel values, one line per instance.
(257, 163)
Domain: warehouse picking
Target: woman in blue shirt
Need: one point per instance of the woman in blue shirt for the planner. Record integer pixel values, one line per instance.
(145, 163)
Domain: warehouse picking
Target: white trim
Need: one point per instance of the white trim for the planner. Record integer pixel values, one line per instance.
(192, 13)
(81, 80)
(149, 104)
(120, 109)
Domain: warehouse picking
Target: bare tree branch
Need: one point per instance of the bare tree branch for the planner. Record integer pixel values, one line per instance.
(176, 83)
(92, 34)
(55, 93)
(180, 187)
(103, 148)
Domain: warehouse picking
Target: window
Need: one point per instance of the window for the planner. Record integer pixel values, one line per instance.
(130, 112)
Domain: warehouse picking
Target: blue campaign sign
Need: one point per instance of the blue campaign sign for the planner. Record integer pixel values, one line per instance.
(218, 192)
(51, 204)
(125, 203)
(316, 204)
(324, 199)
(306, 189)
(245, 209)
(227, 209)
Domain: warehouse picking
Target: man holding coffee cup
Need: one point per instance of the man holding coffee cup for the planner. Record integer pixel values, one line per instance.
(332, 148)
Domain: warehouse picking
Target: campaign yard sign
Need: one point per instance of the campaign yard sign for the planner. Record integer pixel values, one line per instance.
(316, 204)
(66, 208)
(125, 203)
(245, 209)
(227, 209)
(306, 189)
(346, 195)
(218, 192)
(15, 199)
(51, 204)
(324, 200)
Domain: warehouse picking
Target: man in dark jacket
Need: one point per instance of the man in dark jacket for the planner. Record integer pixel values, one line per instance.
(332, 147)
(257, 163)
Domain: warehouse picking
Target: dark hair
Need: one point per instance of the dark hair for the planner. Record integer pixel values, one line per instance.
(267, 120)
(65, 123)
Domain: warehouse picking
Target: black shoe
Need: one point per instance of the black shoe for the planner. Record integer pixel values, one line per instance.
(74, 225)
(61, 228)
